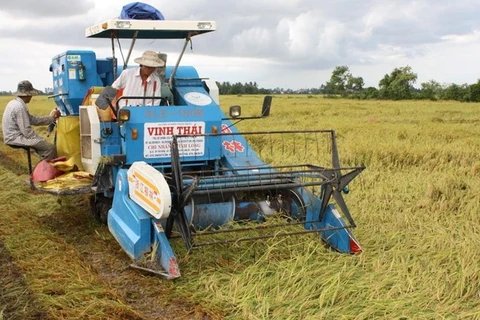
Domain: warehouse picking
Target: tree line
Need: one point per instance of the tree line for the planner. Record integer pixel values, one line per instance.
(398, 85)
(47, 91)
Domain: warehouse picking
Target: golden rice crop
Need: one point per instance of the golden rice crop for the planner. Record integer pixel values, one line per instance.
(416, 208)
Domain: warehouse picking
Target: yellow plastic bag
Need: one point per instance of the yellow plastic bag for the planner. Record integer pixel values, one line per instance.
(66, 166)
(68, 140)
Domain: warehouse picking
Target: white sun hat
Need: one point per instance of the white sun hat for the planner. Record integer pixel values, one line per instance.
(150, 59)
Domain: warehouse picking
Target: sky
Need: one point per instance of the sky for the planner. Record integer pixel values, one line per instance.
(287, 44)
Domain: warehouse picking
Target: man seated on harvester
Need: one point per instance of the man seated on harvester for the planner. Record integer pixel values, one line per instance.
(17, 123)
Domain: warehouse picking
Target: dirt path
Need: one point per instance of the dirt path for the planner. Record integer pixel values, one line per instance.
(150, 296)
(16, 299)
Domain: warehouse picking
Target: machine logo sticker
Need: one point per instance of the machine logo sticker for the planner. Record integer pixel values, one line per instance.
(198, 98)
(144, 190)
(74, 57)
(233, 145)
(226, 129)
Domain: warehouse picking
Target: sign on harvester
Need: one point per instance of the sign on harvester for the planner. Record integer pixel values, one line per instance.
(149, 189)
(158, 137)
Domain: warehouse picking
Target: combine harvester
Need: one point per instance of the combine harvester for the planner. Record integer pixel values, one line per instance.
(181, 168)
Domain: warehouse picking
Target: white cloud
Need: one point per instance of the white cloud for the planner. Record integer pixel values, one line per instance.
(293, 44)
(23, 9)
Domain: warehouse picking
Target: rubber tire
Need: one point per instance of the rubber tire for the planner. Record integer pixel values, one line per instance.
(99, 206)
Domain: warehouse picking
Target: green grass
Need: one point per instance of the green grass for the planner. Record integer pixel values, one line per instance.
(416, 207)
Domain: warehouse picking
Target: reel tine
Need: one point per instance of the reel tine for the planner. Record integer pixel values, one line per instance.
(335, 157)
(178, 207)
(337, 195)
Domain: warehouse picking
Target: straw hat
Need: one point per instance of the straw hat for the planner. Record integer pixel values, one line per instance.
(150, 59)
(25, 89)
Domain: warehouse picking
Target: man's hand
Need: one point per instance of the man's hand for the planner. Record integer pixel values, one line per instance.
(55, 113)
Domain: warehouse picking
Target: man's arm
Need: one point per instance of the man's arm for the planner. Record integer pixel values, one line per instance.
(38, 121)
(120, 82)
(24, 121)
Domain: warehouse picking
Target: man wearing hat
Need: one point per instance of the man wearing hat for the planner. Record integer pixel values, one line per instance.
(141, 81)
(17, 123)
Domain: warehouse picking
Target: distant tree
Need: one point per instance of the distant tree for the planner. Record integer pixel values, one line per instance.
(453, 92)
(431, 90)
(472, 93)
(370, 93)
(277, 90)
(316, 91)
(398, 84)
(354, 85)
(223, 87)
(264, 91)
(251, 88)
(323, 89)
(343, 82)
(338, 80)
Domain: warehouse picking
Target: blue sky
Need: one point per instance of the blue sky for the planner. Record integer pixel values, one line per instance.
(290, 44)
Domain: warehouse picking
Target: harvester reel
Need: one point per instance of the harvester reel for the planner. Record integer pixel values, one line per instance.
(335, 188)
(338, 183)
(180, 199)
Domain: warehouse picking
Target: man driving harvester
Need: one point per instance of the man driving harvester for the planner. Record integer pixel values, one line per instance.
(141, 81)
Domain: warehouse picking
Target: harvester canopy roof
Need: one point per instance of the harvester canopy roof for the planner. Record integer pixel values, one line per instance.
(148, 29)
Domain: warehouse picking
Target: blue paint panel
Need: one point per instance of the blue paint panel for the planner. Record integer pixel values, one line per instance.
(110, 143)
(337, 239)
(68, 87)
(164, 254)
(128, 222)
(183, 72)
(237, 152)
(105, 71)
(135, 229)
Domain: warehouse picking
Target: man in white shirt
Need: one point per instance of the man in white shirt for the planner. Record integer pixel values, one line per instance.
(17, 123)
(141, 81)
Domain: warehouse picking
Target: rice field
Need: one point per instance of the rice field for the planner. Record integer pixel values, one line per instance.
(416, 207)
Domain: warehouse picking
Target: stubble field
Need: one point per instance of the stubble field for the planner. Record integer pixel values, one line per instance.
(416, 206)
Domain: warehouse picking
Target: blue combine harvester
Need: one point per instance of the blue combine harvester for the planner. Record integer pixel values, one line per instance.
(181, 168)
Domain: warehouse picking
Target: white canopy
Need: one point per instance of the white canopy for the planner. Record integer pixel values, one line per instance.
(148, 29)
